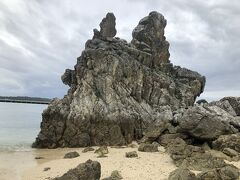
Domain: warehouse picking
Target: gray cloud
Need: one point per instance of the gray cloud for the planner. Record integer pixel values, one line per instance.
(41, 38)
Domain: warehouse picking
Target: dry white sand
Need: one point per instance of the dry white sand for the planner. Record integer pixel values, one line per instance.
(147, 166)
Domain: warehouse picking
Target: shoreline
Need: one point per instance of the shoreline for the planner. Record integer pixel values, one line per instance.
(156, 165)
(22, 165)
(15, 162)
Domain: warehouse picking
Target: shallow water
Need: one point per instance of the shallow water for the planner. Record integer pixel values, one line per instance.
(19, 125)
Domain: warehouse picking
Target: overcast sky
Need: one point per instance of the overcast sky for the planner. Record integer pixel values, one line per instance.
(39, 39)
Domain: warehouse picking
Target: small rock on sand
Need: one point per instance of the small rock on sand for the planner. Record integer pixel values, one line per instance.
(71, 155)
(131, 154)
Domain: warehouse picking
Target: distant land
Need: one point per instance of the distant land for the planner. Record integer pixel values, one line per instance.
(24, 99)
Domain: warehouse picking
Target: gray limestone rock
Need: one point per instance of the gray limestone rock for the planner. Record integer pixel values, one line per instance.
(68, 77)
(71, 155)
(182, 174)
(108, 26)
(193, 157)
(206, 122)
(87, 149)
(90, 170)
(227, 141)
(229, 104)
(148, 147)
(227, 172)
(149, 36)
(102, 149)
(230, 152)
(131, 154)
(165, 139)
(117, 89)
(115, 175)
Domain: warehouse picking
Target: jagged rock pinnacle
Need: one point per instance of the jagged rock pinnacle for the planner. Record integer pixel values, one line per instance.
(149, 36)
(107, 26)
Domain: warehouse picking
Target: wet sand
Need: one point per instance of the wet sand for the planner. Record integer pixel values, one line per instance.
(14, 163)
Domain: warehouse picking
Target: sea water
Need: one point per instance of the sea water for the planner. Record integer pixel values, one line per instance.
(19, 125)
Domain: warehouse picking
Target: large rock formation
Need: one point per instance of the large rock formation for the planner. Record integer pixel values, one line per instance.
(118, 89)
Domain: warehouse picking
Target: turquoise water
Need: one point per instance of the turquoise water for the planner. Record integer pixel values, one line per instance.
(19, 125)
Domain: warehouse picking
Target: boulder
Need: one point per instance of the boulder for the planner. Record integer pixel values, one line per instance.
(227, 141)
(90, 170)
(220, 155)
(230, 152)
(148, 147)
(87, 149)
(229, 104)
(200, 122)
(153, 132)
(71, 155)
(132, 145)
(165, 139)
(202, 161)
(118, 89)
(182, 174)
(131, 154)
(193, 157)
(46, 169)
(115, 175)
(102, 151)
(227, 172)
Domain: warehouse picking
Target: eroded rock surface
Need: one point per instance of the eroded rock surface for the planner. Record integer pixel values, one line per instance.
(229, 104)
(207, 122)
(227, 172)
(193, 157)
(149, 36)
(131, 154)
(90, 170)
(117, 89)
(71, 155)
(120, 92)
(182, 174)
(148, 147)
(227, 141)
(108, 26)
(115, 175)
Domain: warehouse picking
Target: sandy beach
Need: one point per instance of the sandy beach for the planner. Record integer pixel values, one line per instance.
(24, 166)
(147, 166)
